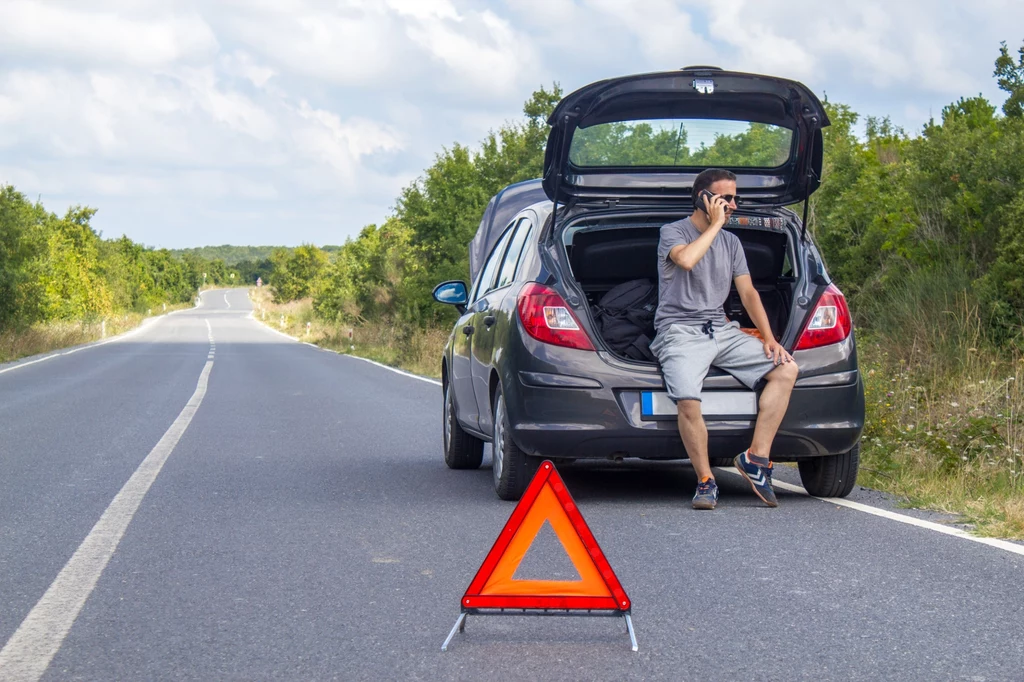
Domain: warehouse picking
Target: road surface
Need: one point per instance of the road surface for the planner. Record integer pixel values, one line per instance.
(206, 499)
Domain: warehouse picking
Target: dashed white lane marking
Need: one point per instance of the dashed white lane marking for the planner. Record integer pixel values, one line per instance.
(30, 649)
(901, 518)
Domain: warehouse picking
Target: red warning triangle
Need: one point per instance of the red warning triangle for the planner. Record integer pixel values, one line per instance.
(546, 499)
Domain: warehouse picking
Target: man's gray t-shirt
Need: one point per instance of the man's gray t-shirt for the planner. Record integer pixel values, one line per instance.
(696, 296)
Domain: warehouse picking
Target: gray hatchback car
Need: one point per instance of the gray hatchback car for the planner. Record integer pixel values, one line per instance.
(526, 367)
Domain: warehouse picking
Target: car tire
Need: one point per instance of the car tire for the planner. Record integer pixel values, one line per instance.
(461, 450)
(511, 467)
(832, 476)
(720, 461)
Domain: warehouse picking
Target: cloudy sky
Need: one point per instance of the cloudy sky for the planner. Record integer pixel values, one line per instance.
(201, 122)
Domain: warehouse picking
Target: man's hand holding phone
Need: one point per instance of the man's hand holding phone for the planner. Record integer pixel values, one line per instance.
(715, 206)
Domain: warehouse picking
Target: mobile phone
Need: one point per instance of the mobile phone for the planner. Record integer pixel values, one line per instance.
(702, 197)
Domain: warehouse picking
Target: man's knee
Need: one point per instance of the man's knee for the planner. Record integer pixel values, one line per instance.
(786, 372)
(689, 409)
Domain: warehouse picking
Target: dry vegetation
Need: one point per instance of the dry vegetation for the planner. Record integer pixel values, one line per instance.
(45, 337)
(400, 345)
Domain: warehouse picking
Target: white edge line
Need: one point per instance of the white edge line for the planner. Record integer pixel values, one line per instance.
(102, 342)
(893, 516)
(146, 323)
(346, 355)
(31, 648)
(392, 369)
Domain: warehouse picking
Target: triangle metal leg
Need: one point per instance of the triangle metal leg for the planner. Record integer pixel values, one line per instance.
(629, 628)
(460, 626)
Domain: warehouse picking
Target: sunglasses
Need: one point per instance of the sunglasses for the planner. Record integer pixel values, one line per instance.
(727, 198)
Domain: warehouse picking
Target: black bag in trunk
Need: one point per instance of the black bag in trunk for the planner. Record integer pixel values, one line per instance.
(625, 318)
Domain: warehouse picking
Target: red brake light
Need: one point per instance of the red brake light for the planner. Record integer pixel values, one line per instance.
(830, 322)
(547, 318)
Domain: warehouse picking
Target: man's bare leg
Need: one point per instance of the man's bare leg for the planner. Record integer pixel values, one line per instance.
(771, 409)
(694, 433)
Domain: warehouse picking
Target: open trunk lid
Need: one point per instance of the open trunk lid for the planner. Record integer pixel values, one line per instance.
(646, 137)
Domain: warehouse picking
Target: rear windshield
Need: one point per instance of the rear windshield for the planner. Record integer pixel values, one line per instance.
(681, 142)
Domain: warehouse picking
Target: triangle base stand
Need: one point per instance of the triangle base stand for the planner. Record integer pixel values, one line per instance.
(460, 623)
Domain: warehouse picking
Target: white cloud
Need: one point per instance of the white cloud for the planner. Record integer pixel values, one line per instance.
(482, 54)
(108, 37)
(179, 119)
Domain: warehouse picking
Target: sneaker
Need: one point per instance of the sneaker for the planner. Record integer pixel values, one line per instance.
(758, 472)
(707, 494)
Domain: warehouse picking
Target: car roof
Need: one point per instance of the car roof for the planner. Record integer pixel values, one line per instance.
(501, 209)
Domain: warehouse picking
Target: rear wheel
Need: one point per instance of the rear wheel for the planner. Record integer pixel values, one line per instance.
(720, 461)
(461, 450)
(832, 476)
(511, 467)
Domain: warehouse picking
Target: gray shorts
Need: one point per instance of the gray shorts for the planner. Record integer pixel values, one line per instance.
(686, 354)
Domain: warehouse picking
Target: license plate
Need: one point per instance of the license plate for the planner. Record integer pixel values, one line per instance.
(657, 404)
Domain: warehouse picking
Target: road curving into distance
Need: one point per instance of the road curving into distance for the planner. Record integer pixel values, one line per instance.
(208, 499)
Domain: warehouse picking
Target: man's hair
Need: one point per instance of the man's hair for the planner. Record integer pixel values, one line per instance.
(708, 177)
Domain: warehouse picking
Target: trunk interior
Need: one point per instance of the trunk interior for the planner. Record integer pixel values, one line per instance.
(604, 256)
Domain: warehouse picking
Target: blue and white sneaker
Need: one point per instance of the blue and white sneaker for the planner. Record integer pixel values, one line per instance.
(707, 494)
(758, 472)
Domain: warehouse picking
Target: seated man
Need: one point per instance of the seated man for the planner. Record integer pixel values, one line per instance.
(697, 262)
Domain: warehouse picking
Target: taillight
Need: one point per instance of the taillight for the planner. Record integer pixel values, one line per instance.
(830, 322)
(547, 318)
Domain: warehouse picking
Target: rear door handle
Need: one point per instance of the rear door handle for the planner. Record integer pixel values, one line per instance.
(489, 321)
(467, 330)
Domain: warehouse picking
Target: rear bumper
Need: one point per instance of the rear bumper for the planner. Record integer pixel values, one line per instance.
(605, 422)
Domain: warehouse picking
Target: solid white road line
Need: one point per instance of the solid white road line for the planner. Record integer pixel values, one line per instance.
(901, 518)
(95, 344)
(30, 649)
(345, 355)
(393, 369)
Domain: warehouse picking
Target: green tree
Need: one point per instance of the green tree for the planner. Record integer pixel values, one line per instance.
(1010, 77)
(297, 274)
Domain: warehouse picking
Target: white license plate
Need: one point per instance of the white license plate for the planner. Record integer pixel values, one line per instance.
(712, 404)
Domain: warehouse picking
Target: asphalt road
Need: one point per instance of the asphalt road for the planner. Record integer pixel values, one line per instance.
(304, 526)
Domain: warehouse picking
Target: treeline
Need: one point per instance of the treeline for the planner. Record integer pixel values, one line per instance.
(59, 268)
(911, 226)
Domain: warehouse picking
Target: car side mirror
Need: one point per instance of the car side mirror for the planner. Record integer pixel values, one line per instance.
(453, 293)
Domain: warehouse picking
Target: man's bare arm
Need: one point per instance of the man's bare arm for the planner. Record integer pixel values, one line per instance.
(687, 256)
(752, 304)
(755, 309)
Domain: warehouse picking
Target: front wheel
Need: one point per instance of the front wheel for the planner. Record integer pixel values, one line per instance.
(832, 476)
(461, 450)
(511, 467)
